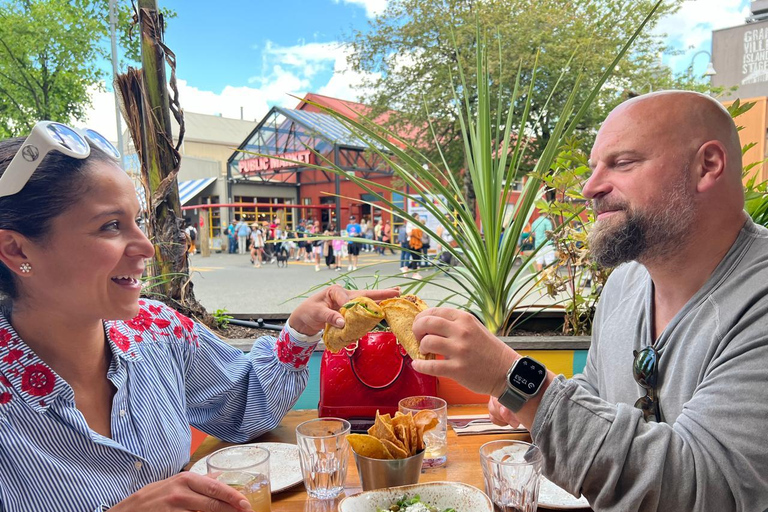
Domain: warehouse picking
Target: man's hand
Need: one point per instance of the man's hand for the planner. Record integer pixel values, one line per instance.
(185, 492)
(500, 415)
(473, 356)
(323, 307)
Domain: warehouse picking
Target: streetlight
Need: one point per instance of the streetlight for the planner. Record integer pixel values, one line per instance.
(710, 68)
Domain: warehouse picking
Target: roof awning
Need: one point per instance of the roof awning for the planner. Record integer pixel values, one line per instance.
(191, 188)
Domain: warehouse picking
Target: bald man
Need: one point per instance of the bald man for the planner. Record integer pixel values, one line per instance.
(671, 412)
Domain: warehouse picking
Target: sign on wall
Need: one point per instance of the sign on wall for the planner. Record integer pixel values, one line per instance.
(261, 164)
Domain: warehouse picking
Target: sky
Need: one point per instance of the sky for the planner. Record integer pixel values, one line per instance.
(255, 54)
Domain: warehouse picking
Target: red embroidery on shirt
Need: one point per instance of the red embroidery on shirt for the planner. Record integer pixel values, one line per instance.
(5, 398)
(120, 340)
(13, 355)
(37, 380)
(290, 353)
(186, 323)
(4, 381)
(177, 331)
(142, 321)
(5, 337)
(162, 322)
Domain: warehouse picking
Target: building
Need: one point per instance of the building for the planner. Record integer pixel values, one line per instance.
(740, 58)
(207, 144)
(282, 168)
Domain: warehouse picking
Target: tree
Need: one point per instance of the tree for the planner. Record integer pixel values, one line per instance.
(50, 58)
(410, 53)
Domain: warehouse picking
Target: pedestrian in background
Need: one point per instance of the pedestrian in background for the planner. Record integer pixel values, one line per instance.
(231, 238)
(243, 231)
(541, 229)
(403, 240)
(415, 244)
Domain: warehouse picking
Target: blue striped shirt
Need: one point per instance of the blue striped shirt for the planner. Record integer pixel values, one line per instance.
(168, 372)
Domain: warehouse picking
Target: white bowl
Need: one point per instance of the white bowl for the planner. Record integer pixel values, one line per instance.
(442, 495)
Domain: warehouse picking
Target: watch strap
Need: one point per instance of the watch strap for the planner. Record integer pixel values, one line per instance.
(512, 400)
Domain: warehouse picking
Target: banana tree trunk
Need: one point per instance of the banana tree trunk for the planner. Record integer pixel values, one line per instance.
(159, 160)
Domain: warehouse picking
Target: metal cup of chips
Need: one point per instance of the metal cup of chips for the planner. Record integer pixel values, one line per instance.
(381, 473)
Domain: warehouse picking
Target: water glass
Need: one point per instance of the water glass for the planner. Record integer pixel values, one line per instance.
(511, 470)
(436, 440)
(245, 469)
(323, 452)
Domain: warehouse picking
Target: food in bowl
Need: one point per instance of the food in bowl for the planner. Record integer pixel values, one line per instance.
(413, 504)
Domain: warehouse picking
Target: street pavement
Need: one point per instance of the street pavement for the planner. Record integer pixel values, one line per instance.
(229, 281)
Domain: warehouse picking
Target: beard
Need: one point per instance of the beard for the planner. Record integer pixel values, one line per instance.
(644, 235)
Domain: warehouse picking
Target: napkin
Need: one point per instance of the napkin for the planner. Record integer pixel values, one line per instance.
(480, 424)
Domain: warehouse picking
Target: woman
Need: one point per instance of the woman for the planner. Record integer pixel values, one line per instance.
(257, 244)
(97, 387)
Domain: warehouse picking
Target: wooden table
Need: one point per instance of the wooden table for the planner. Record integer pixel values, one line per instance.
(463, 463)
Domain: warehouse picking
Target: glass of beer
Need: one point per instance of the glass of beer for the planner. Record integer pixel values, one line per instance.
(245, 469)
(436, 440)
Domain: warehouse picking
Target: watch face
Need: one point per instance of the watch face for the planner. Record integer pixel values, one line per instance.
(527, 376)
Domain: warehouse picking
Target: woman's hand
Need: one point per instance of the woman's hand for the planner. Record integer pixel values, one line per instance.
(185, 492)
(323, 307)
(473, 356)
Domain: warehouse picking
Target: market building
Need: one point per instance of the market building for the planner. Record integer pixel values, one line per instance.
(274, 172)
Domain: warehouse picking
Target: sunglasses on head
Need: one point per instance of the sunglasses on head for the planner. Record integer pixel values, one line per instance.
(645, 370)
(45, 137)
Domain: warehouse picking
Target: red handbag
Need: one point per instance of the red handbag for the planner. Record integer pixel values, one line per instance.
(372, 374)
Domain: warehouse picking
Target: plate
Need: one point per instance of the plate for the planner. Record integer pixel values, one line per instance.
(552, 496)
(284, 465)
(439, 494)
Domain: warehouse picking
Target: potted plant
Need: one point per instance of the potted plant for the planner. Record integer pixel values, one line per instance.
(486, 281)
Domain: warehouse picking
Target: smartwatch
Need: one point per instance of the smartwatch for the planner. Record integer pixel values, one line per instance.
(524, 380)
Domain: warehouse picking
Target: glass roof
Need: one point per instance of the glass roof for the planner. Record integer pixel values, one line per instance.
(287, 130)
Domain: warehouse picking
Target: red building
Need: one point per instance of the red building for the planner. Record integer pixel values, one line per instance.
(264, 184)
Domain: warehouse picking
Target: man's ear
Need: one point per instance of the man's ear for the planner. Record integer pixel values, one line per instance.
(711, 159)
(12, 251)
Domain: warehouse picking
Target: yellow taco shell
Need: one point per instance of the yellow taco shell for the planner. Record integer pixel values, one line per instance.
(400, 313)
(361, 314)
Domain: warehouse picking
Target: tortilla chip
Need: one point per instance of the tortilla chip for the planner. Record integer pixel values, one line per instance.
(403, 434)
(426, 419)
(382, 429)
(405, 429)
(360, 316)
(400, 313)
(368, 446)
(396, 451)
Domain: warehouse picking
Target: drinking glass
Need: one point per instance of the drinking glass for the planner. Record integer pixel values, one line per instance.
(245, 469)
(511, 470)
(436, 440)
(323, 453)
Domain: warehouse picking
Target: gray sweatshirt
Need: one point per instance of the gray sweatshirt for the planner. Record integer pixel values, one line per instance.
(710, 452)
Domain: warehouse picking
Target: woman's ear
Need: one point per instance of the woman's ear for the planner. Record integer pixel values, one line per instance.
(712, 160)
(12, 253)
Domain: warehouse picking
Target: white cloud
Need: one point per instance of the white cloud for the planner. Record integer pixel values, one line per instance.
(301, 68)
(294, 70)
(372, 7)
(690, 29)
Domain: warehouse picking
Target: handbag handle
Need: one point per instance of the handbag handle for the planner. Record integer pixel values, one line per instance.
(350, 353)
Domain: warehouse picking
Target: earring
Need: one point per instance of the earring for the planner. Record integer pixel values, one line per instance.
(25, 268)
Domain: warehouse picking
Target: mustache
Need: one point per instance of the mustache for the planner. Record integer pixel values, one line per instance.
(604, 204)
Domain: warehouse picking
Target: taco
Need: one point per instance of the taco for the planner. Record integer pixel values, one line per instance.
(400, 313)
(360, 316)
